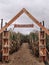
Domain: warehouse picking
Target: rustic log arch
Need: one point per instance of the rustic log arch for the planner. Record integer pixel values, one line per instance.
(29, 15)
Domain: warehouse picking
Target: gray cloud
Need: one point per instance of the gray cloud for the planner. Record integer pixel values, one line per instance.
(38, 8)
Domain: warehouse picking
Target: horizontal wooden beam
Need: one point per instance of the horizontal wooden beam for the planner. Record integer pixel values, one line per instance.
(24, 25)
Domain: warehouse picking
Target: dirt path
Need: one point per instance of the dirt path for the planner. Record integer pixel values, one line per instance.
(23, 57)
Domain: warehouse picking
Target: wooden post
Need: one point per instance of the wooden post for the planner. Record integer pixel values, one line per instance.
(42, 45)
(43, 23)
(40, 28)
(1, 23)
(5, 24)
(1, 28)
(1, 41)
(5, 46)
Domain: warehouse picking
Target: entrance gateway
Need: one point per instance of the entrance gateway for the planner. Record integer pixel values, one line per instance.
(42, 48)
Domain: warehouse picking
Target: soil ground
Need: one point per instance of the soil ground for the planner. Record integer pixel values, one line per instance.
(23, 57)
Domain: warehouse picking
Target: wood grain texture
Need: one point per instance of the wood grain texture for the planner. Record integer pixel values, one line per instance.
(30, 16)
(11, 21)
(36, 21)
(23, 26)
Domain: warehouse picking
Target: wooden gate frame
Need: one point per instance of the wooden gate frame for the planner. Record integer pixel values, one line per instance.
(30, 16)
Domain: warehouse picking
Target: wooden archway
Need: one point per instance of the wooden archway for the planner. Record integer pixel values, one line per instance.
(29, 15)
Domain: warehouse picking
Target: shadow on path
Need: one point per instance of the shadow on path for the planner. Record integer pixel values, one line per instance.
(46, 63)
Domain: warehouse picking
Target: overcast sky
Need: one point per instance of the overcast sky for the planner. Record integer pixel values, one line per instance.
(38, 8)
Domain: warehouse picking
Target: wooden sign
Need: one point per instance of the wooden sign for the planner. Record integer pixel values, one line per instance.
(24, 25)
